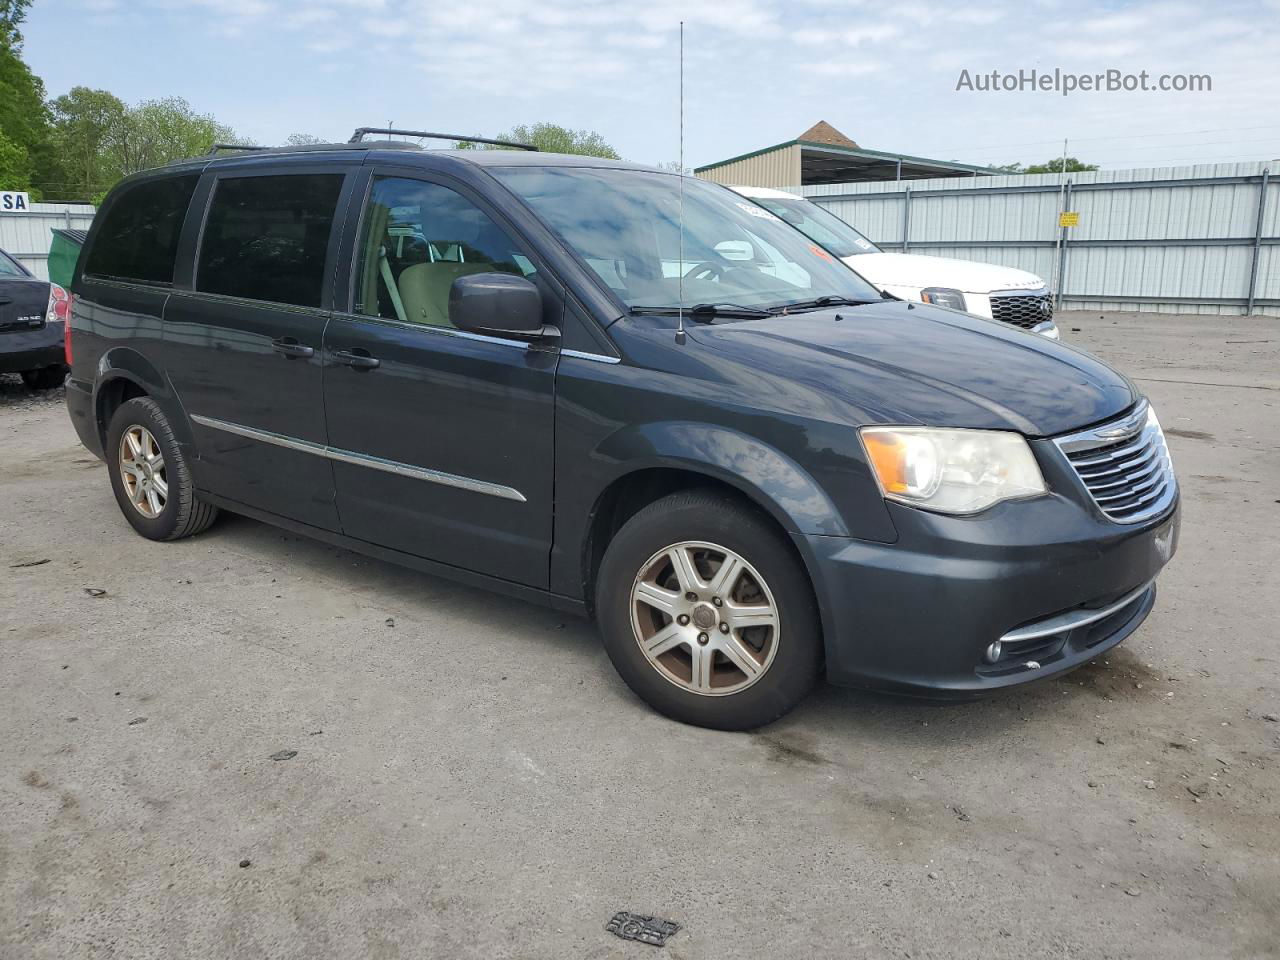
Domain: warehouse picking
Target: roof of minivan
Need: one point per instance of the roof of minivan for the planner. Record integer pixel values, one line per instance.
(525, 158)
(399, 152)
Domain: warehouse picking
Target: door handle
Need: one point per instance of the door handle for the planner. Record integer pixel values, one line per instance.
(291, 348)
(357, 359)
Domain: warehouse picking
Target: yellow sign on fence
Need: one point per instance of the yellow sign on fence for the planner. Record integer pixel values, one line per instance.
(1070, 218)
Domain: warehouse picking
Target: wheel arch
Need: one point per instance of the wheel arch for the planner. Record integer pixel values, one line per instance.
(660, 459)
(122, 375)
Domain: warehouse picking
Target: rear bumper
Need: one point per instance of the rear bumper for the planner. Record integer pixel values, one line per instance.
(31, 349)
(80, 407)
(919, 616)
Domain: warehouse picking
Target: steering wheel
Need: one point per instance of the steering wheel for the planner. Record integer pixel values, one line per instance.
(707, 266)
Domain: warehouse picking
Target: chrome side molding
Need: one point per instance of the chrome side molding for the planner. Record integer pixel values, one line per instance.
(364, 460)
(584, 355)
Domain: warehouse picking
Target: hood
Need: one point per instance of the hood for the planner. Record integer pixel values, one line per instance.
(894, 362)
(911, 270)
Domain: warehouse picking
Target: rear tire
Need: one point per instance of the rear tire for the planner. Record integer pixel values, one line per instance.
(731, 639)
(149, 474)
(46, 378)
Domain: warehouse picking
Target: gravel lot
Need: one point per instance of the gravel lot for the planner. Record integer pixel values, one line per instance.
(471, 779)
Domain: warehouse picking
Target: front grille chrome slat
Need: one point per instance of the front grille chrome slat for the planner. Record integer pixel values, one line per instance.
(1138, 445)
(1122, 478)
(1130, 491)
(1100, 478)
(1140, 498)
(1125, 466)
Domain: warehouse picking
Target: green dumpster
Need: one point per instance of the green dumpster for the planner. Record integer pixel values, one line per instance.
(63, 254)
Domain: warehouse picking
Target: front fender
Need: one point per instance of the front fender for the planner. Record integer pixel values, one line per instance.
(766, 475)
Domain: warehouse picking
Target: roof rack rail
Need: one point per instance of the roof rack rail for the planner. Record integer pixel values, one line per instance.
(361, 131)
(213, 151)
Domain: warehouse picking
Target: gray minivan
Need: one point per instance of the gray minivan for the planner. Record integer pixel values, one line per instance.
(616, 391)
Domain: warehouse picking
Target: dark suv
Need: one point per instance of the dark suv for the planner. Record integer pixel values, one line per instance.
(623, 393)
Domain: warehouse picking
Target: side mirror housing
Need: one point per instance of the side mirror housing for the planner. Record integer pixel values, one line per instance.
(495, 303)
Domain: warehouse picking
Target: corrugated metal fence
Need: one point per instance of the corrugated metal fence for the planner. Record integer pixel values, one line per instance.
(27, 236)
(1201, 239)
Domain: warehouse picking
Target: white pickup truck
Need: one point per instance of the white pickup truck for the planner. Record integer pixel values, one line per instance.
(999, 293)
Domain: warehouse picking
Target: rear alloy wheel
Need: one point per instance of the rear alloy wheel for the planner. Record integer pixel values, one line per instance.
(143, 473)
(149, 474)
(707, 614)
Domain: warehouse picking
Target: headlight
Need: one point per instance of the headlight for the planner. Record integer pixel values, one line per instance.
(943, 297)
(951, 471)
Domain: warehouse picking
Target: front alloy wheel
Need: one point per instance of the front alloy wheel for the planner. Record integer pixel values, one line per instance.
(704, 618)
(707, 613)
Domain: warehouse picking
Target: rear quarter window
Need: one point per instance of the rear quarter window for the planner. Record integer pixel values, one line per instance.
(266, 238)
(138, 239)
(10, 268)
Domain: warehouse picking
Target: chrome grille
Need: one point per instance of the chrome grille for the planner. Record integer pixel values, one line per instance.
(1124, 465)
(1022, 309)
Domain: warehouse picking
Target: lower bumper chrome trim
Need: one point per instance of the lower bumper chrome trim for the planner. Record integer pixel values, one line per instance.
(1073, 619)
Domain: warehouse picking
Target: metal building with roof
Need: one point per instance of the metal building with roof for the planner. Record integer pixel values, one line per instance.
(822, 154)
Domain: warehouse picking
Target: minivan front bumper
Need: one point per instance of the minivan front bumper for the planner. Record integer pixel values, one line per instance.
(1052, 580)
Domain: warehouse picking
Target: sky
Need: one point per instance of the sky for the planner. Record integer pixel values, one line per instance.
(757, 72)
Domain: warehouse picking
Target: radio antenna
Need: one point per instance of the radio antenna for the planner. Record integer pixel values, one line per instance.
(680, 337)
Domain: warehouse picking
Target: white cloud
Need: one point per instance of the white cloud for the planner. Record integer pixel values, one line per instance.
(852, 37)
(843, 68)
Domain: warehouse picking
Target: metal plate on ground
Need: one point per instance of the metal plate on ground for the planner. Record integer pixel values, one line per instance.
(633, 926)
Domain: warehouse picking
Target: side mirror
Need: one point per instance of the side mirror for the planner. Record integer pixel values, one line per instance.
(735, 250)
(495, 303)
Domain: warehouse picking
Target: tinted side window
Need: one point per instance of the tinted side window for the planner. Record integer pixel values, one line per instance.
(138, 240)
(266, 237)
(417, 239)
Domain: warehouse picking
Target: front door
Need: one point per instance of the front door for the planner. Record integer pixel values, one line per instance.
(441, 440)
(243, 348)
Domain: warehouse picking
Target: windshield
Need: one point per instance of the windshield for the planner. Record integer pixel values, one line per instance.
(626, 225)
(821, 226)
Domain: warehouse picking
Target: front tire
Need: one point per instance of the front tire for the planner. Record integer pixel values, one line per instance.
(149, 474)
(707, 614)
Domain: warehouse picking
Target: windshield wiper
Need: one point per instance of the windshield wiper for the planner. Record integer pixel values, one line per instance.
(706, 312)
(820, 302)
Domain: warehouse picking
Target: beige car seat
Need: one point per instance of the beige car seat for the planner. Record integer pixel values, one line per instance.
(424, 289)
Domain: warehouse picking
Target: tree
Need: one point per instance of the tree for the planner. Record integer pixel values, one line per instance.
(12, 13)
(156, 132)
(302, 140)
(1051, 166)
(24, 118)
(86, 124)
(551, 138)
(15, 165)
